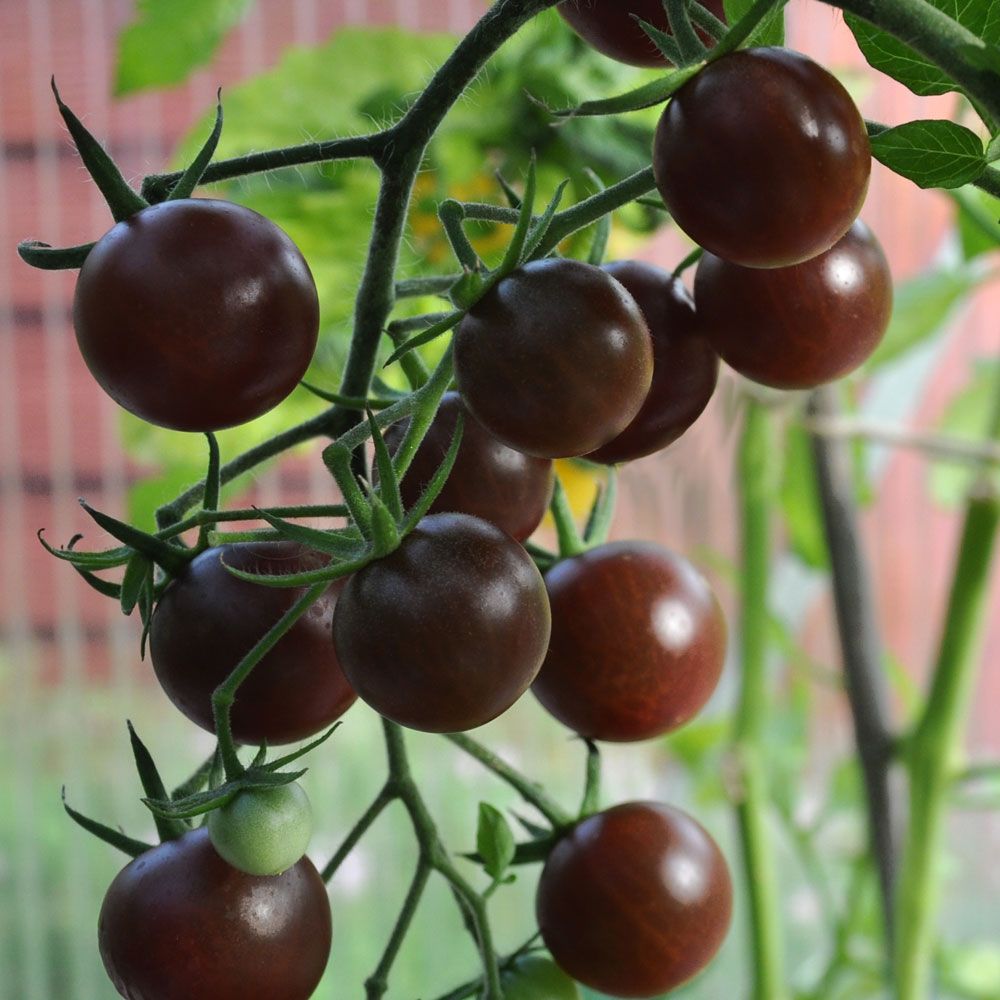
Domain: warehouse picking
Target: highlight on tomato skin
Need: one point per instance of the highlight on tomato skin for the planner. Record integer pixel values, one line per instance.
(180, 923)
(446, 632)
(798, 327)
(555, 360)
(638, 642)
(196, 314)
(488, 480)
(685, 365)
(715, 165)
(634, 901)
(207, 620)
(610, 27)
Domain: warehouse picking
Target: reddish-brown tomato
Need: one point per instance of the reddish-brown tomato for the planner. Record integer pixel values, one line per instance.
(635, 900)
(489, 480)
(798, 327)
(685, 366)
(179, 923)
(638, 642)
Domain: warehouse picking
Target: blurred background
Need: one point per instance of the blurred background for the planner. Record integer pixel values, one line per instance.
(143, 80)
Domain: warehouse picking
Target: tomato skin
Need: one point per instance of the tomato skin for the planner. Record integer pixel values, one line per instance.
(635, 900)
(638, 642)
(608, 26)
(489, 480)
(196, 314)
(263, 831)
(798, 327)
(449, 630)
(763, 158)
(555, 360)
(179, 923)
(207, 620)
(685, 365)
(537, 977)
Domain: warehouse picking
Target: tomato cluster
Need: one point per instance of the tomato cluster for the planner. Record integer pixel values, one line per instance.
(763, 160)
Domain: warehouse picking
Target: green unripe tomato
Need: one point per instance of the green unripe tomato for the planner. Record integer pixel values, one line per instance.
(537, 977)
(263, 831)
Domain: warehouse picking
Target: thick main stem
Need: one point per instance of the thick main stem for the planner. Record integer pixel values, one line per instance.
(753, 797)
(860, 642)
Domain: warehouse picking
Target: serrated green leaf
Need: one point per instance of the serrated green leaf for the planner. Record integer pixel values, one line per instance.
(931, 153)
(896, 59)
(494, 841)
(921, 307)
(965, 418)
(770, 31)
(171, 38)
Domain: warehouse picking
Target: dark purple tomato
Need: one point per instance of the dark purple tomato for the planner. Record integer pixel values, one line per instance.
(207, 620)
(685, 366)
(638, 642)
(635, 900)
(196, 314)
(608, 25)
(179, 923)
(763, 158)
(798, 327)
(449, 630)
(555, 360)
(489, 480)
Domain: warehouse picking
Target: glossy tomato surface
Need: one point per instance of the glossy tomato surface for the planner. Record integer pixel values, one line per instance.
(448, 631)
(763, 158)
(489, 480)
(798, 327)
(179, 923)
(555, 360)
(610, 27)
(207, 620)
(196, 314)
(685, 365)
(638, 642)
(635, 900)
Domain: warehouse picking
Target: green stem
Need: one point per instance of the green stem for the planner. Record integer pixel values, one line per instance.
(225, 694)
(359, 829)
(757, 452)
(934, 744)
(528, 790)
(937, 37)
(571, 542)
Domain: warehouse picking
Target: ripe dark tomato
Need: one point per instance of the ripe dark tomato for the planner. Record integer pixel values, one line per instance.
(489, 480)
(634, 900)
(763, 158)
(685, 366)
(609, 27)
(196, 314)
(449, 630)
(207, 620)
(555, 360)
(179, 923)
(537, 977)
(638, 642)
(797, 327)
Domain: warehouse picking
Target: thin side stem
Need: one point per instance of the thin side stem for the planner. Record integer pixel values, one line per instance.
(359, 829)
(524, 786)
(860, 643)
(753, 712)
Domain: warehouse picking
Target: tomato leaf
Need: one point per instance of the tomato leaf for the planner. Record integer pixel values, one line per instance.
(931, 153)
(515, 250)
(646, 96)
(388, 483)
(434, 487)
(170, 557)
(754, 23)
(108, 559)
(895, 58)
(689, 45)
(138, 569)
(184, 188)
(800, 500)
(133, 848)
(198, 780)
(667, 45)
(280, 762)
(451, 320)
(171, 38)
(168, 828)
(494, 841)
(540, 229)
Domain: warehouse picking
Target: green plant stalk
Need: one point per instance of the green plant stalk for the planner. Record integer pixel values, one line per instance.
(757, 487)
(934, 744)
(372, 813)
(936, 36)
